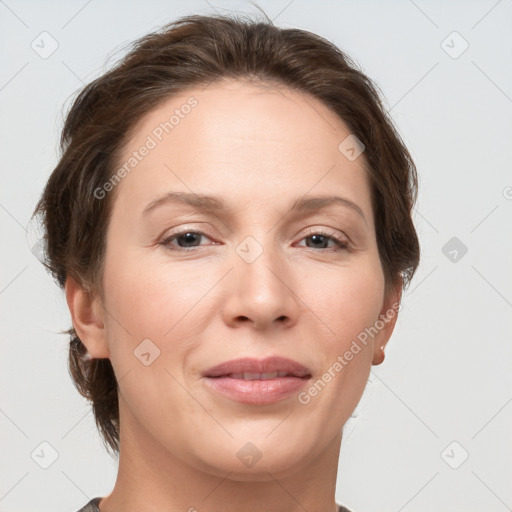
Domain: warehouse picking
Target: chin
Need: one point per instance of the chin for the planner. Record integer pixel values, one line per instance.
(253, 461)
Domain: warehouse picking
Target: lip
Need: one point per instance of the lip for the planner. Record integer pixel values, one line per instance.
(251, 365)
(223, 379)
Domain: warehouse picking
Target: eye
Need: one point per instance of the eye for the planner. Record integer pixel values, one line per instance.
(188, 238)
(319, 238)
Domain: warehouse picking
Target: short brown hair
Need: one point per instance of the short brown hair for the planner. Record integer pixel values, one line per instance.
(193, 51)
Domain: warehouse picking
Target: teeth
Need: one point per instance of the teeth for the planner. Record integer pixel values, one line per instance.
(251, 376)
(258, 376)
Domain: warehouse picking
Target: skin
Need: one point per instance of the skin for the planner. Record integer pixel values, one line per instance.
(259, 147)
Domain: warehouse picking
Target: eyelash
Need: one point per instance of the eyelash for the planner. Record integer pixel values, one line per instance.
(342, 244)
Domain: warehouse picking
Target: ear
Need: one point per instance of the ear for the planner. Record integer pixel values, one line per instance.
(88, 319)
(386, 323)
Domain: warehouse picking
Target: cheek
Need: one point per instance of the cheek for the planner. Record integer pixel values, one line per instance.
(150, 298)
(168, 304)
(345, 300)
(148, 330)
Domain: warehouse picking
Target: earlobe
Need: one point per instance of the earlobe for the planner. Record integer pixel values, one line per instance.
(88, 319)
(386, 324)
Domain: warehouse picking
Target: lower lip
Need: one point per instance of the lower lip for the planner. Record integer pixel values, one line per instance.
(256, 391)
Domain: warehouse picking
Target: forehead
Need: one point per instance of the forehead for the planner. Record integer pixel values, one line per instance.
(245, 141)
(246, 111)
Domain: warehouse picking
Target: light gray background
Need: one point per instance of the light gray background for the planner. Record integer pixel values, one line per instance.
(447, 374)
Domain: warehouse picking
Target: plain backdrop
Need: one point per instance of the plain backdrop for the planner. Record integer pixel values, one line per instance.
(433, 429)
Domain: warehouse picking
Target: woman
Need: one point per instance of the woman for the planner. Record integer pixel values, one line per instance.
(231, 222)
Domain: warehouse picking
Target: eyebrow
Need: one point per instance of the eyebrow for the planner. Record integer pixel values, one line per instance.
(202, 202)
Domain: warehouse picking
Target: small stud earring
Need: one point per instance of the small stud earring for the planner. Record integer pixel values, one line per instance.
(382, 356)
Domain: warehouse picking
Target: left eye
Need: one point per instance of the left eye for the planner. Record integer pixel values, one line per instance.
(321, 237)
(193, 237)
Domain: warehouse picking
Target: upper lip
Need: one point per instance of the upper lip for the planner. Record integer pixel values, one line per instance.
(250, 365)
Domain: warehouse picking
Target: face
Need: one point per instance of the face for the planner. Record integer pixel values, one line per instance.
(189, 287)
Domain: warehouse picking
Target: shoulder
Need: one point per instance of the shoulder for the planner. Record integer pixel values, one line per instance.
(341, 508)
(92, 506)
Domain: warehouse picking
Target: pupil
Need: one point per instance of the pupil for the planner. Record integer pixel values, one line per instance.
(317, 238)
(189, 237)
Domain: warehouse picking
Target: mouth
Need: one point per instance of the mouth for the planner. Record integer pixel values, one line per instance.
(259, 376)
(251, 369)
(257, 382)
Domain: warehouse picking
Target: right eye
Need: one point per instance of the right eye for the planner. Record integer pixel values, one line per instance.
(185, 237)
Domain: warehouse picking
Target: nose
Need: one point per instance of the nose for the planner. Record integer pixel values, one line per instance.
(261, 293)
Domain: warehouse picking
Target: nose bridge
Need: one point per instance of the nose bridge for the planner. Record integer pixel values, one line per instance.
(262, 287)
(261, 264)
